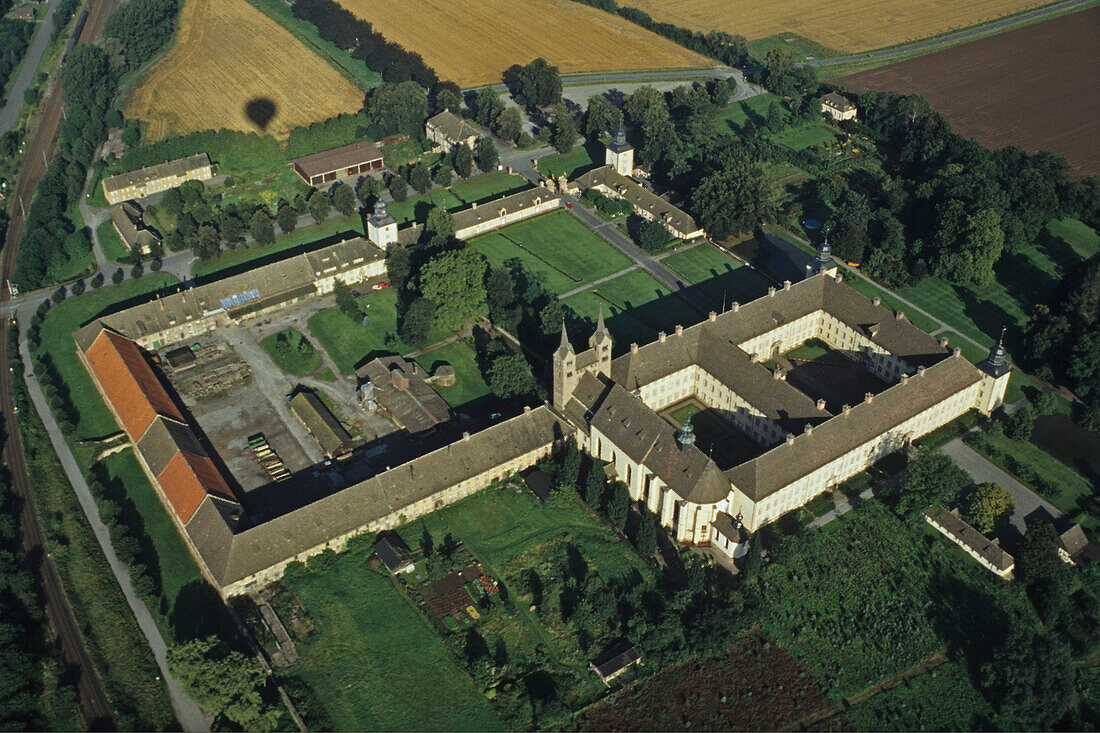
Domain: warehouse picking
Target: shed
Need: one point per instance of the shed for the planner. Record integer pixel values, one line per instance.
(334, 440)
(539, 482)
(346, 160)
(394, 553)
(615, 661)
(180, 358)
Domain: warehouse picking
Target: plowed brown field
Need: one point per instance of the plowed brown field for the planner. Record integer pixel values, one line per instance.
(227, 54)
(844, 25)
(1035, 87)
(472, 42)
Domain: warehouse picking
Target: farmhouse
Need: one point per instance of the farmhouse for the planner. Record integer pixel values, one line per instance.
(448, 130)
(322, 425)
(347, 160)
(986, 551)
(187, 313)
(128, 220)
(156, 178)
(838, 107)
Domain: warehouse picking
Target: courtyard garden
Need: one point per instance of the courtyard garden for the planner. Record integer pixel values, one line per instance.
(292, 352)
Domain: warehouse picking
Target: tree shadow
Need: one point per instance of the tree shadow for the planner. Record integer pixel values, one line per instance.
(198, 612)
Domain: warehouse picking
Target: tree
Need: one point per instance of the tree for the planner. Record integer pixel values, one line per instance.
(455, 282)
(510, 376)
(971, 257)
(420, 178)
(282, 345)
(618, 506)
(594, 484)
(930, 478)
(446, 96)
(538, 84)
(346, 302)
(287, 216)
(399, 188)
(651, 236)
(368, 188)
(343, 199)
(777, 120)
(320, 204)
(417, 322)
(440, 223)
(261, 227)
(401, 107)
(1037, 559)
(987, 506)
(646, 541)
(733, 200)
(489, 106)
(487, 156)
(443, 174)
(399, 266)
(569, 465)
(645, 105)
(224, 682)
(563, 129)
(118, 276)
(510, 124)
(1019, 424)
(1030, 679)
(601, 116)
(463, 161)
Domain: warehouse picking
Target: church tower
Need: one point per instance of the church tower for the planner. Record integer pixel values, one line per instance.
(565, 370)
(823, 264)
(381, 227)
(620, 154)
(601, 341)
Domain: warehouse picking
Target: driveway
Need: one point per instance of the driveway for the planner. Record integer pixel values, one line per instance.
(1030, 507)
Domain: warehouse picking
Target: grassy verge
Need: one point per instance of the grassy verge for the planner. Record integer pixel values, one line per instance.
(113, 247)
(580, 159)
(717, 275)
(111, 634)
(469, 385)
(299, 357)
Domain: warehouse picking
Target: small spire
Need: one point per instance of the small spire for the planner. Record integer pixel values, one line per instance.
(620, 136)
(824, 250)
(599, 321)
(379, 208)
(686, 438)
(565, 346)
(997, 353)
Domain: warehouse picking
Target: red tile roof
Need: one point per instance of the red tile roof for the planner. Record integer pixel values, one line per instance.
(129, 383)
(186, 481)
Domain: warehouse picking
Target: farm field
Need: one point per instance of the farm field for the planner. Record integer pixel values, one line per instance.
(848, 25)
(718, 276)
(372, 662)
(472, 42)
(978, 86)
(226, 55)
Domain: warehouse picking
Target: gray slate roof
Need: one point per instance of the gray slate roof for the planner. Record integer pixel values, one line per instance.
(156, 172)
(491, 209)
(640, 196)
(418, 406)
(452, 126)
(988, 549)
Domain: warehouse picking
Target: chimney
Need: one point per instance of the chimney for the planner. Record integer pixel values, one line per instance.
(876, 301)
(679, 330)
(943, 342)
(662, 337)
(465, 435)
(839, 277)
(920, 371)
(771, 292)
(473, 205)
(957, 352)
(868, 398)
(809, 429)
(735, 307)
(712, 316)
(790, 438)
(786, 284)
(900, 315)
(821, 403)
(846, 409)
(526, 409)
(904, 379)
(777, 374)
(634, 348)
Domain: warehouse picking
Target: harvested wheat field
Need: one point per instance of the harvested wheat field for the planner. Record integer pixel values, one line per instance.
(472, 42)
(843, 25)
(1035, 87)
(226, 56)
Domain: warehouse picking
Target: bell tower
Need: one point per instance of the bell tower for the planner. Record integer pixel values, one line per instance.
(381, 227)
(996, 371)
(565, 370)
(601, 341)
(620, 154)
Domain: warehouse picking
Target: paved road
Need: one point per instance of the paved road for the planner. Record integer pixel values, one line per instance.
(950, 38)
(9, 115)
(612, 78)
(1029, 505)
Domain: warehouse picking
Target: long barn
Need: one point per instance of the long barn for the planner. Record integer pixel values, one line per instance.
(347, 160)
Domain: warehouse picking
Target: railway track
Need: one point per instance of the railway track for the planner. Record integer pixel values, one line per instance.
(94, 705)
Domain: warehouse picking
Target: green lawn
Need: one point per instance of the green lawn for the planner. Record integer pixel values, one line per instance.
(113, 247)
(398, 154)
(580, 159)
(871, 290)
(417, 206)
(352, 226)
(93, 417)
(489, 185)
(469, 385)
(943, 699)
(717, 275)
(733, 116)
(373, 662)
(300, 357)
(498, 249)
(350, 343)
(636, 307)
(801, 137)
(1080, 236)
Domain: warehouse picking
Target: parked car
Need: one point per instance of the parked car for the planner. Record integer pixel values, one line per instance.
(379, 286)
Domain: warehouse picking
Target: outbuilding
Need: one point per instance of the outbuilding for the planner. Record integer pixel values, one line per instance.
(347, 160)
(394, 553)
(615, 661)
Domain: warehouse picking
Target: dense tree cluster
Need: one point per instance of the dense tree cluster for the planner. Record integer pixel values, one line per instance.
(538, 84)
(15, 37)
(340, 26)
(141, 28)
(226, 683)
(64, 12)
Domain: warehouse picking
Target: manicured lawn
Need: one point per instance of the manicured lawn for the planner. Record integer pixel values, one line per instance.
(562, 240)
(93, 419)
(351, 343)
(373, 662)
(802, 137)
(944, 699)
(352, 226)
(299, 357)
(417, 206)
(498, 249)
(734, 115)
(871, 290)
(469, 385)
(489, 185)
(636, 307)
(1080, 236)
(113, 247)
(717, 275)
(577, 161)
